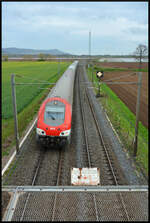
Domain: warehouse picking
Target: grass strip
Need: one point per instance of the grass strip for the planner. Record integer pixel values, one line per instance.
(123, 121)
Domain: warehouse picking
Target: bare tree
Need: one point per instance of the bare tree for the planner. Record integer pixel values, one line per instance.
(140, 53)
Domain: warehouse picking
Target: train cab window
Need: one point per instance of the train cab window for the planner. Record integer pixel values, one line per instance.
(55, 113)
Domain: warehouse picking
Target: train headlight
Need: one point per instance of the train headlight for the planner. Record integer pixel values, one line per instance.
(40, 131)
(65, 133)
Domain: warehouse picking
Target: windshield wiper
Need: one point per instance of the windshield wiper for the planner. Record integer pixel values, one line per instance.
(52, 117)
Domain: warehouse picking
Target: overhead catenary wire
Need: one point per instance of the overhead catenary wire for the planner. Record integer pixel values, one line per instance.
(131, 123)
(34, 79)
(44, 88)
(22, 76)
(20, 91)
(128, 83)
(33, 83)
(125, 82)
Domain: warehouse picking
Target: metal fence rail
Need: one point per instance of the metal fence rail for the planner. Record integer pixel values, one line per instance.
(75, 203)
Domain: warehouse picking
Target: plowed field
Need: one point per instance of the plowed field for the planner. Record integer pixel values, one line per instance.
(129, 65)
(128, 93)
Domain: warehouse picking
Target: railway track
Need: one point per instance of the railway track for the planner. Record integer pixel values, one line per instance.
(98, 148)
(87, 148)
(108, 159)
(33, 183)
(57, 184)
(35, 179)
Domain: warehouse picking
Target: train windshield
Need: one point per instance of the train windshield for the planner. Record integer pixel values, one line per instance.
(54, 113)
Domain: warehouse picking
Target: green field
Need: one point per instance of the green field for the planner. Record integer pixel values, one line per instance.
(42, 71)
(28, 97)
(123, 121)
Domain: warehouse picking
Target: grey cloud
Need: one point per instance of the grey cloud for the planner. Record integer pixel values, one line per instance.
(137, 30)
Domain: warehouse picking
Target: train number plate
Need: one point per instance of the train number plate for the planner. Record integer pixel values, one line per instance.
(85, 176)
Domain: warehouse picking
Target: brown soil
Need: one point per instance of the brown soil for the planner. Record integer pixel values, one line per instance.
(129, 65)
(128, 93)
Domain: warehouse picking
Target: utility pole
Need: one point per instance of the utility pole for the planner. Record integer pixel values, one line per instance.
(15, 112)
(58, 66)
(89, 47)
(137, 113)
(90, 44)
(90, 52)
(98, 94)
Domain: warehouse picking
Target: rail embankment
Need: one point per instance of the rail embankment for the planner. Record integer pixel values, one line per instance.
(117, 101)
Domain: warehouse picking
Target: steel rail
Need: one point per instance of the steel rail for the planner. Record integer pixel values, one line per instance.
(106, 152)
(57, 184)
(87, 145)
(33, 182)
(101, 137)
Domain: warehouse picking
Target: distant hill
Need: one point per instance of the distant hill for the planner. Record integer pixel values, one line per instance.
(19, 51)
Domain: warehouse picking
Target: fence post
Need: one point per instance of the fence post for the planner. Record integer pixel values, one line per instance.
(137, 113)
(15, 112)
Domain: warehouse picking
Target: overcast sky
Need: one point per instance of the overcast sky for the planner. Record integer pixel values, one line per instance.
(116, 27)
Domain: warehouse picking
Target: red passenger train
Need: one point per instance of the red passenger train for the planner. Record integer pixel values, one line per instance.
(54, 121)
(54, 117)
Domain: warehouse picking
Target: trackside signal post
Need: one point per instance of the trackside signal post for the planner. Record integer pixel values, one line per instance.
(98, 94)
(15, 112)
(99, 75)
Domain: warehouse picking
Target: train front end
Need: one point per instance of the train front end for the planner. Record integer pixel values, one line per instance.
(54, 122)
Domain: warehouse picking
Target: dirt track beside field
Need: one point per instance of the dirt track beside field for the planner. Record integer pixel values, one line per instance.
(128, 93)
